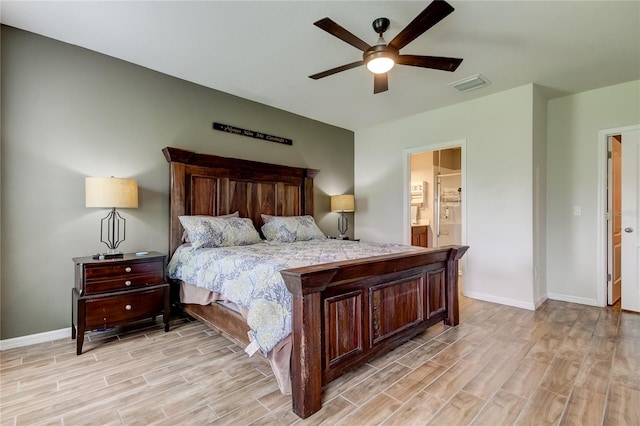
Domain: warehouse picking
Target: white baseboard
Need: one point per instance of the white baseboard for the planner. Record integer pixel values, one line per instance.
(573, 299)
(541, 300)
(500, 300)
(31, 339)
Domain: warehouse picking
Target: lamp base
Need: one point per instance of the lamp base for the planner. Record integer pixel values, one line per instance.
(343, 226)
(102, 256)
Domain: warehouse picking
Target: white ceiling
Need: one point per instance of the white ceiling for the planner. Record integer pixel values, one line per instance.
(265, 50)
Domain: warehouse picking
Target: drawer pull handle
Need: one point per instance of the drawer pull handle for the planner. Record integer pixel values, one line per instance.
(128, 307)
(127, 283)
(128, 269)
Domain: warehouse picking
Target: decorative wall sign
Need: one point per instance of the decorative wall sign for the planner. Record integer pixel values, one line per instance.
(251, 133)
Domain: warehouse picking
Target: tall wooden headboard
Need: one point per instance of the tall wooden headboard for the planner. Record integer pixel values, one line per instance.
(203, 184)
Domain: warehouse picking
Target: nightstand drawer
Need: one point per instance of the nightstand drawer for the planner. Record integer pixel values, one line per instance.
(100, 285)
(108, 311)
(123, 269)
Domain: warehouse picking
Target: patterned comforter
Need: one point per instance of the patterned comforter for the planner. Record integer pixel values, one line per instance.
(250, 277)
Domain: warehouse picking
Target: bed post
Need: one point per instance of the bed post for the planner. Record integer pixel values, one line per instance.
(176, 205)
(306, 359)
(176, 158)
(307, 187)
(453, 312)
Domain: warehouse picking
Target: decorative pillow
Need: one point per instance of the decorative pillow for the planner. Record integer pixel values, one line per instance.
(287, 229)
(185, 236)
(209, 231)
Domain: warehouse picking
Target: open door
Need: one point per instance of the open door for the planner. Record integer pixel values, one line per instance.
(630, 258)
(614, 201)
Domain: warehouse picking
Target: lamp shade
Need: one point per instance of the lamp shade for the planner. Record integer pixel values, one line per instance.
(111, 192)
(342, 203)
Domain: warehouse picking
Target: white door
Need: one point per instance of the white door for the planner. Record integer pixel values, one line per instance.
(630, 220)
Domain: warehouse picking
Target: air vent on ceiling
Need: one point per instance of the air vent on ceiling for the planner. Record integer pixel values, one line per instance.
(470, 83)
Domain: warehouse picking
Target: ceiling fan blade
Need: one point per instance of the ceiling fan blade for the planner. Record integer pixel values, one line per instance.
(434, 62)
(434, 13)
(380, 83)
(336, 30)
(336, 70)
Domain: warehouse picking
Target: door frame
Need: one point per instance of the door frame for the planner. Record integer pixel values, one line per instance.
(602, 225)
(406, 214)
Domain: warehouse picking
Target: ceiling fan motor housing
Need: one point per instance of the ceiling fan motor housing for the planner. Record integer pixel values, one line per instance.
(378, 51)
(381, 25)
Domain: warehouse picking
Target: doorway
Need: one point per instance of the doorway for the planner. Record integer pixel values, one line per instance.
(424, 170)
(436, 197)
(619, 217)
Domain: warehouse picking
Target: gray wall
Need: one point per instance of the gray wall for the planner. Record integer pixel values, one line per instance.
(68, 113)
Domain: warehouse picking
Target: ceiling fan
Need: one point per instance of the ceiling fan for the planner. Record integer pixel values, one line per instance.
(381, 57)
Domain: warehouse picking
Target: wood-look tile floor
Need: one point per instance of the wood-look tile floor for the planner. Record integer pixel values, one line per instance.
(564, 364)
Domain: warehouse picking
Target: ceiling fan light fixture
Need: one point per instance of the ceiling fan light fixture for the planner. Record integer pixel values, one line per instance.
(380, 58)
(380, 64)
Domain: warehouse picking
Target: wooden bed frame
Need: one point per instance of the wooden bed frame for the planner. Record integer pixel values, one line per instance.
(344, 313)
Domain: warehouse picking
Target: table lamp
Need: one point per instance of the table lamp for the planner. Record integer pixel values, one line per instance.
(343, 204)
(114, 193)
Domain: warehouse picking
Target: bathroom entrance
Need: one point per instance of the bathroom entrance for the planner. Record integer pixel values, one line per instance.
(436, 197)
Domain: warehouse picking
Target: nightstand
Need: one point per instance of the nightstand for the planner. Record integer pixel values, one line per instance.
(113, 292)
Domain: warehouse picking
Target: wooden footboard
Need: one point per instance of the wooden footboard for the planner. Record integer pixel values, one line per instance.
(347, 313)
